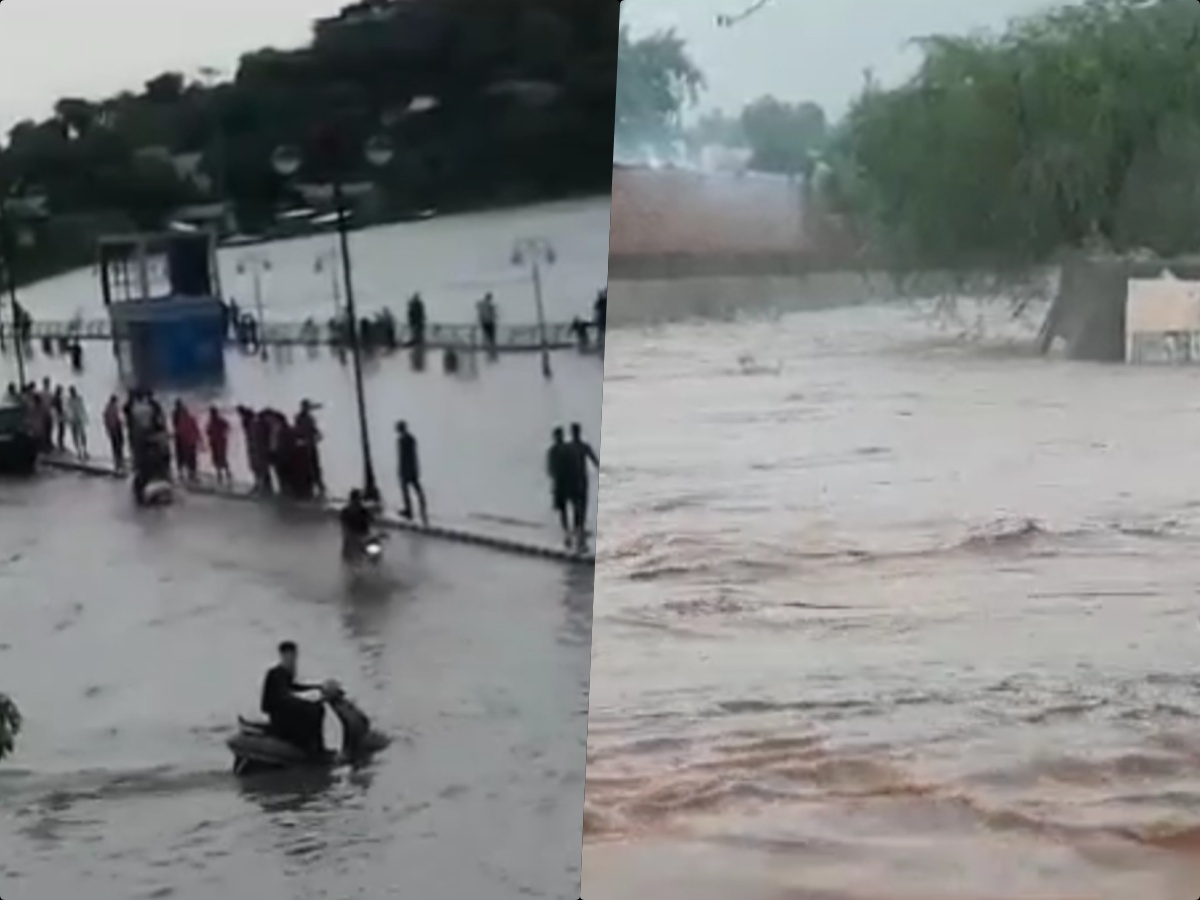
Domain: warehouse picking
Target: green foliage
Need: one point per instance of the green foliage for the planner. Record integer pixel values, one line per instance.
(525, 86)
(1079, 127)
(656, 82)
(10, 725)
(784, 137)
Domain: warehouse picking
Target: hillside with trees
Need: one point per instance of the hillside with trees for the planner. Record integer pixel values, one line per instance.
(525, 112)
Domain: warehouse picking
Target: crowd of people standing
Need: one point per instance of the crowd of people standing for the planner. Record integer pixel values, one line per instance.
(281, 452)
(53, 415)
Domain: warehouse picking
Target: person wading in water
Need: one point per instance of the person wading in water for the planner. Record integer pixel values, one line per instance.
(578, 454)
(557, 470)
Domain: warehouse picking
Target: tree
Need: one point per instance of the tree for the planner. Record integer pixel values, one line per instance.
(10, 725)
(1075, 128)
(656, 81)
(784, 137)
(525, 87)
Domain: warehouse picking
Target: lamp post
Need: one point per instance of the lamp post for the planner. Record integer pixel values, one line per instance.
(9, 252)
(331, 261)
(257, 266)
(378, 152)
(534, 252)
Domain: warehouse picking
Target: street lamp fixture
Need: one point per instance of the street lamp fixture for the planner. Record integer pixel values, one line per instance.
(257, 266)
(378, 151)
(536, 252)
(10, 239)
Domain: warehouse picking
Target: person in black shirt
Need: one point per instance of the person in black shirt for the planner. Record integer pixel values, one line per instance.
(409, 470)
(556, 469)
(296, 720)
(577, 453)
(357, 522)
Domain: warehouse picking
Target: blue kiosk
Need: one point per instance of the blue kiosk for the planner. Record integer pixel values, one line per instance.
(163, 296)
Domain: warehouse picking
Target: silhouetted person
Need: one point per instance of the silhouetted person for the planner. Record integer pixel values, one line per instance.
(308, 437)
(416, 320)
(114, 427)
(217, 432)
(600, 314)
(487, 321)
(409, 469)
(557, 471)
(578, 454)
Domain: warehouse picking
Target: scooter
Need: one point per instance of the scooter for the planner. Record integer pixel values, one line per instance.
(365, 552)
(256, 747)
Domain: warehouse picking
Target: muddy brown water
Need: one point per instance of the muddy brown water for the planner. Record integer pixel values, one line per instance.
(889, 609)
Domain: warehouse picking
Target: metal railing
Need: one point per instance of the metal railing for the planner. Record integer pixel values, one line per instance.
(559, 335)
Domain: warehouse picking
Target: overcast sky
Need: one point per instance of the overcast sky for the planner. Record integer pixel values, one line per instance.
(795, 49)
(811, 49)
(92, 48)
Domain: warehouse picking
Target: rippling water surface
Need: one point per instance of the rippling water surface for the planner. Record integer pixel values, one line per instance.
(888, 614)
(133, 641)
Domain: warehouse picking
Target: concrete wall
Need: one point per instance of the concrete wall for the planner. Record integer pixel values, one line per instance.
(1088, 315)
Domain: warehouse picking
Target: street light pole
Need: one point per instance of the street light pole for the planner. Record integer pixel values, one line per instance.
(370, 486)
(10, 265)
(257, 267)
(537, 251)
(379, 153)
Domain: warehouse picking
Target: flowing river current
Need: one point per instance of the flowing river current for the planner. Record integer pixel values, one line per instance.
(893, 609)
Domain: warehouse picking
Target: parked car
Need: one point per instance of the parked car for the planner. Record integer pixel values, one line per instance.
(18, 445)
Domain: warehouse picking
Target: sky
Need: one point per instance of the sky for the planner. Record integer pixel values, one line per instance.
(811, 49)
(93, 48)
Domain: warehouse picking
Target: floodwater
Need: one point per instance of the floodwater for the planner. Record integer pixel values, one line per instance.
(495, 416)
(451, 260)
(887, 611)
(483, 434)
(132, 642)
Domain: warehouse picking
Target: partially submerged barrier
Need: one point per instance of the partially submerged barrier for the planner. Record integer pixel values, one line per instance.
(438, 336)
(331, 506)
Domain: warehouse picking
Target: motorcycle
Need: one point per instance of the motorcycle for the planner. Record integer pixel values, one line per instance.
(367, 550)
(151, 480)
(257, 748)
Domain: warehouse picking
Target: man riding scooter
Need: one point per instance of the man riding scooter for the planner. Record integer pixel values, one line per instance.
(357, 523)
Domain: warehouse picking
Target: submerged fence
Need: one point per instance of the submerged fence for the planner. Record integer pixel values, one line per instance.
(509, 338)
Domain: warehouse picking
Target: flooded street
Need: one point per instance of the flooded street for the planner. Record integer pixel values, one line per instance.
(495, 416)
(886, 614)
(132, 642)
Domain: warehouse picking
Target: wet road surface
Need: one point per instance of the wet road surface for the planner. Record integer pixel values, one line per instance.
(132, 641)
(889, 612)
